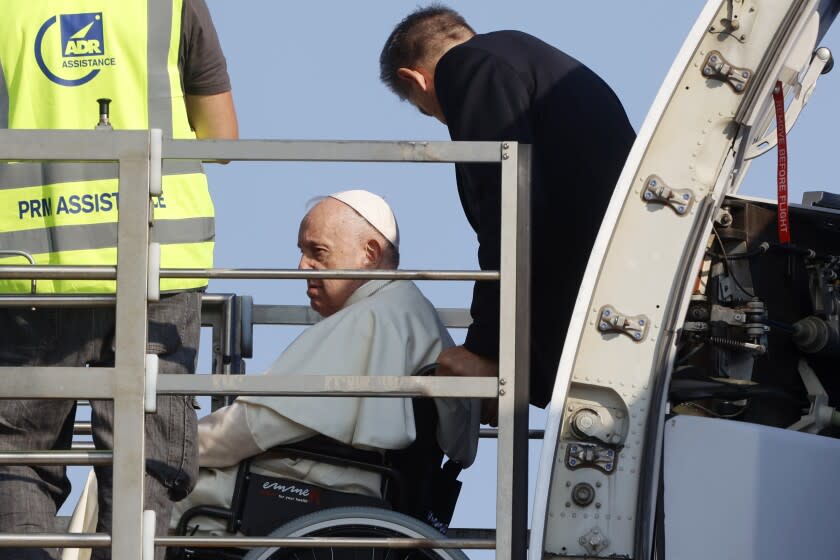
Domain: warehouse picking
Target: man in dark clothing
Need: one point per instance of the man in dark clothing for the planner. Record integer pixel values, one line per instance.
(508, 85)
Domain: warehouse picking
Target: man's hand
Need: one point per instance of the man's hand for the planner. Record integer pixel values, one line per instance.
(460, 362)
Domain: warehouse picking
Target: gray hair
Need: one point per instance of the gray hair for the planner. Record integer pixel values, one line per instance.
(390, 254)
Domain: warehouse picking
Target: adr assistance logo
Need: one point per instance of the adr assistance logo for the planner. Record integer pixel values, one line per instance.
(73, 52)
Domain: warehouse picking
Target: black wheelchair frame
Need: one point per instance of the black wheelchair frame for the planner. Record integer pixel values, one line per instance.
(430, 497)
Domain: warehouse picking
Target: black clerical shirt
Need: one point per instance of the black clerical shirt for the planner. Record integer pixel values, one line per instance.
(508, 85)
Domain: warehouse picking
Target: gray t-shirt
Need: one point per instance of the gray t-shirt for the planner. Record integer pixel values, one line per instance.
(200, 58)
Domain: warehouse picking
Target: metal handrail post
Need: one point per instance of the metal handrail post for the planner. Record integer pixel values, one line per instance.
(514, 320)
(130, 357)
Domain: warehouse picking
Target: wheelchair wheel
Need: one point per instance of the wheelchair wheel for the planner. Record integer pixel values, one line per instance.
(355, 522)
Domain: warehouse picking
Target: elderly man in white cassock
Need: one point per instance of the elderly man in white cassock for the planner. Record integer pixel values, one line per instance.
(373, 327)
(370, 327)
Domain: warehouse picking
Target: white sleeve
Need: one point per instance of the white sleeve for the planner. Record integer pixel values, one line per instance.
(269, 428)
(239, 431)
(458, 427)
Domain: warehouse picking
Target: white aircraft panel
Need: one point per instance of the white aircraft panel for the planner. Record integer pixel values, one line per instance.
(738, 490)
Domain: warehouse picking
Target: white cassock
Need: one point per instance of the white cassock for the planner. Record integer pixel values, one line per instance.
(385, 328)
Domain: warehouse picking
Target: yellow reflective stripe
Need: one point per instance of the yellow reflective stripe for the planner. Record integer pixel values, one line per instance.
(183, 255)
(96, 202)
(85, 203)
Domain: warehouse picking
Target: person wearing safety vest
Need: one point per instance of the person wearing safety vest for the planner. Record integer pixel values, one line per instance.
(161, 63)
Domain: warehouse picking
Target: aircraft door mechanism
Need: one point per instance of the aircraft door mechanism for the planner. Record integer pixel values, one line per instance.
(738, 20)
(820, 415)
(821, 63)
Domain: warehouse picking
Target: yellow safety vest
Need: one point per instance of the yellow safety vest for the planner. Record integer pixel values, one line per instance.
(56, 60)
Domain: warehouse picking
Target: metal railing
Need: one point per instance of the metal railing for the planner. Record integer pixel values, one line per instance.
(132, 386)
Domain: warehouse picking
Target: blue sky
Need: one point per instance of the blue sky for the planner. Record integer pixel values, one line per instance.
(309, 70)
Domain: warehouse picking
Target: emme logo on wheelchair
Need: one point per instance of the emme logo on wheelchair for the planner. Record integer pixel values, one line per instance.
(293, 492)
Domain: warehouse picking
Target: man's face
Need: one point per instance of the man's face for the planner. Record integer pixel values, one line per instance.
(427, 104)
(421, 91)
(328, 239)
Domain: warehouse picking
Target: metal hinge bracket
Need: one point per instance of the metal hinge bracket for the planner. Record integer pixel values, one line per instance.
(656, 191)
(591, 456)
(717, 68)
(611, 321)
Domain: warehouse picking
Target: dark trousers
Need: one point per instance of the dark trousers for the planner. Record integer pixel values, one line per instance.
(30, 496)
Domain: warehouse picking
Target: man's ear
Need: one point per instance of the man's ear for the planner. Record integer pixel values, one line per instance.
(414, 77)
(373, 253)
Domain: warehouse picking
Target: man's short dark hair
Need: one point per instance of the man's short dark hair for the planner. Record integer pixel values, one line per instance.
(422, 33)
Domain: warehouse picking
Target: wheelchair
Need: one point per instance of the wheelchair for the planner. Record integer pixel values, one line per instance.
(419, 497)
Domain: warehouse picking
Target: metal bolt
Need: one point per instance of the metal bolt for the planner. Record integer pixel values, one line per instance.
(505, 145)
(610, 452)
(608, 466)
(598, 484)
(606, 313)
(648, 195)
(603, 326)
(641, 322)
(708, 71)
(686, 196)
(713, 58)
(568, 504)
(745, 74)
(652, 182)
(502, 381)
(502, 392)
(572, 462)
(739, 87)
(637, 335)
(598, 505)
(584, 421)
(505, 156)
(568, 483)
(583, 494)
(681, 209)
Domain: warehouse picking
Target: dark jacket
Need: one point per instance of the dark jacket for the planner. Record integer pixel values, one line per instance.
(509, 85)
